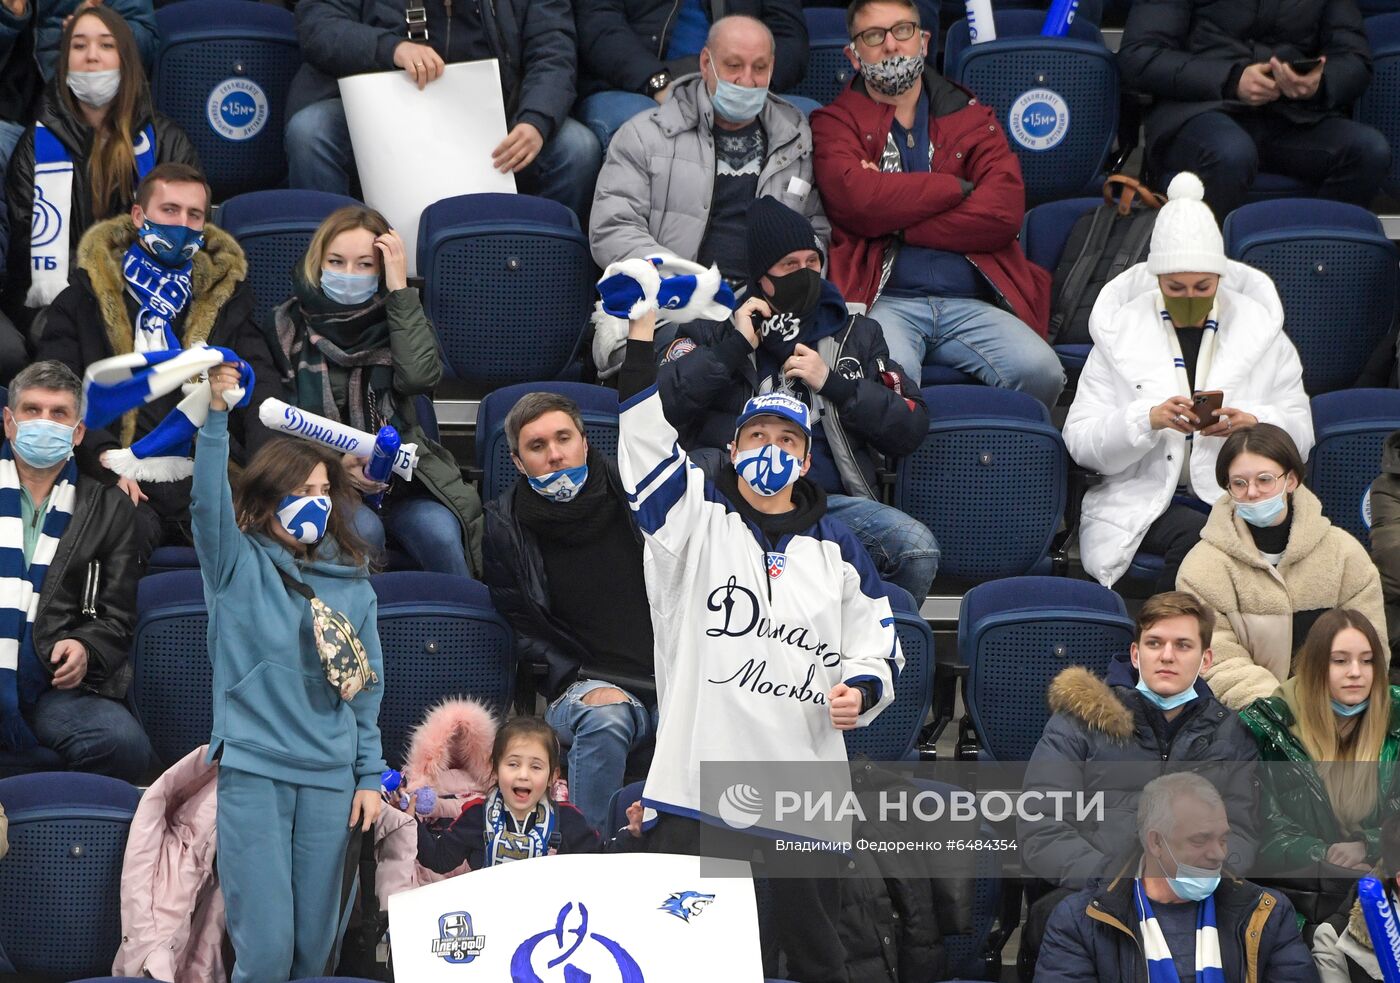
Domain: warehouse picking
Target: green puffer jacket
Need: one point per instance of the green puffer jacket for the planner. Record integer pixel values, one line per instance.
(1296, 817)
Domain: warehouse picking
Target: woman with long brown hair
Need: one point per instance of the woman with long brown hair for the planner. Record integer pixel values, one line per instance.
(96, 136)
(298, 678)
(1331, 737)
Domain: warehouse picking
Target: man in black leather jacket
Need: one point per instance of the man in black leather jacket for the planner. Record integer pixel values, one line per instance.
(86, 607)
(1243, 86)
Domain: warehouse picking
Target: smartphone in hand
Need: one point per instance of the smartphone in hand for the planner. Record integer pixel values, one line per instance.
(1204, 404)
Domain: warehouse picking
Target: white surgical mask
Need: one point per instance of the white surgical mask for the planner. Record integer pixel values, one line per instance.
(95, 89)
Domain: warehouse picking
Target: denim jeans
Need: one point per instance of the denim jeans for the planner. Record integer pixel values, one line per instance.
(972, 336)
(605, 112)
(93, 733)
(601, 736)
(320, 158)
(427, 530)
(904, 551)
(1341, 158)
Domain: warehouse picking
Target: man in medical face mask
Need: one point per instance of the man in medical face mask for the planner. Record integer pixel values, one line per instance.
(1176, 908)
(1106, 736)
(158, 278)
(680, 178)
(563, 560)
(64, 538)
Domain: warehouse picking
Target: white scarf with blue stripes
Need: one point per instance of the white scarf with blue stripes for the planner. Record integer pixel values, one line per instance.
(22, 676)
(1160, 966)
(112, 386)
(1204, 359)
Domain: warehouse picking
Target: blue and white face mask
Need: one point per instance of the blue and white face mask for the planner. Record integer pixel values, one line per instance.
(768, 469)
(305, 517)
(561, 486)
(171, 245)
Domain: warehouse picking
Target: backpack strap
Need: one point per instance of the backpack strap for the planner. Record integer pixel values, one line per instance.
(1132, 245)
(1130, 189)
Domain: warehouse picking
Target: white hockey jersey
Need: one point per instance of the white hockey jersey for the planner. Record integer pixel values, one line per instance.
(748, 640)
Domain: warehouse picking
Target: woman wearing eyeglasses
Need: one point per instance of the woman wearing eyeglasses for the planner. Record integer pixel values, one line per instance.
(1270, 564)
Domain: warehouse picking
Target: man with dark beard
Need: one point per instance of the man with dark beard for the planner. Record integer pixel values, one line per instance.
(793, 333)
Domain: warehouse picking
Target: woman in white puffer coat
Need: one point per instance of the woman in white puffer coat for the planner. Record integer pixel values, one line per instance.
(1187, 320)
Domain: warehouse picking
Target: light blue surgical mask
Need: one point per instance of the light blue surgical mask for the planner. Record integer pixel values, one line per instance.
(767, 469)
(350, 289)
(738, 103)
(563, 485)
(1192, 883)
(304, 517)
(1263, 513)
(42, 443)
(1167, 702)
(1342, 710)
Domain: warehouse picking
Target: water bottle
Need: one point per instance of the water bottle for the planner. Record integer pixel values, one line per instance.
(980, 25)
(381, 461)
(1059, 18)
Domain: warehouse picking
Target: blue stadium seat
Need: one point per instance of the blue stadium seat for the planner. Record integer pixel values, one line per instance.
(441, 638)
(944, 375)
(617, 806)
(597, 404)
(989, 481)
(60, 882)
(1016, 635)
(1371, 8)
(223, 74)
(1379, 105)
(892, 735)
(172, 680)
(828, 70)
(1325, 257)
(1044, 233)
(275, 228)
(1272, 187)
(509, 285)
(1350, 427)
(166, 558)
(1057, 98)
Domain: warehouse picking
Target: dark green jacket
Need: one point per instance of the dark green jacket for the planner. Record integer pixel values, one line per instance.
(1298, 824)
(417, 369)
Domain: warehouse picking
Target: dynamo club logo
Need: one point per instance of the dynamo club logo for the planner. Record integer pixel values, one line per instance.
(1039, 119)
(568, 959)
(237, 109)
(456, 942)
(47, 221)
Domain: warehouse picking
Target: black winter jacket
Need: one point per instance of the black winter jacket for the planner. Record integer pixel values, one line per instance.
(513, 571)
(1101, 740)
(103, 529)
(533, 41)
(710, 371)
(172, 146)
(1093, 935)
(92, 319)
(1188, 55)
(622, 43)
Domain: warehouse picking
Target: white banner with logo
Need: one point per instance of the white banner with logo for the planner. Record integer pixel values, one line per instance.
(413, 147)
(626, 918)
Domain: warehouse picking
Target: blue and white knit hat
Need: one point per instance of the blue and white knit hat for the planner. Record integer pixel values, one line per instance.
(113, 386)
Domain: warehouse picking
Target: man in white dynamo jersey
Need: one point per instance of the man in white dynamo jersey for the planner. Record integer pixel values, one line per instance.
(773, 631)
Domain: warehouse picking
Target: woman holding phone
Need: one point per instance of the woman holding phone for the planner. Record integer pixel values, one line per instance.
(1270, 563)
(1188, 348)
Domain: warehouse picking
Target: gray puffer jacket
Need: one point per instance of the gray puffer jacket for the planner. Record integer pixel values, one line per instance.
(655, 189)
(1102, 741)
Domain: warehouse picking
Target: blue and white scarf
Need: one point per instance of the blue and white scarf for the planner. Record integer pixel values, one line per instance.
(508, 840)
(53, 209)
(113, 386)
(1160, 967)
(22, 675)
(161, 293)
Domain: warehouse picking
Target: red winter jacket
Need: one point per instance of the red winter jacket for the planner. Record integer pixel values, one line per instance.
(868, 208)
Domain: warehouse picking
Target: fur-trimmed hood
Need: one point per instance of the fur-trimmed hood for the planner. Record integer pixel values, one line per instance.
(218, 270)
(450, 751)
(1078, 692)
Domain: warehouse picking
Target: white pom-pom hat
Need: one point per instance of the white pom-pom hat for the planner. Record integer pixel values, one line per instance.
(1185, 237)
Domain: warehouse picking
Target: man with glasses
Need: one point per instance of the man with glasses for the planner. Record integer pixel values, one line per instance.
(926, 201)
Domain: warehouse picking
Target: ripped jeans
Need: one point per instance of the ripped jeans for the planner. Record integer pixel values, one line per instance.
(602, 735)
